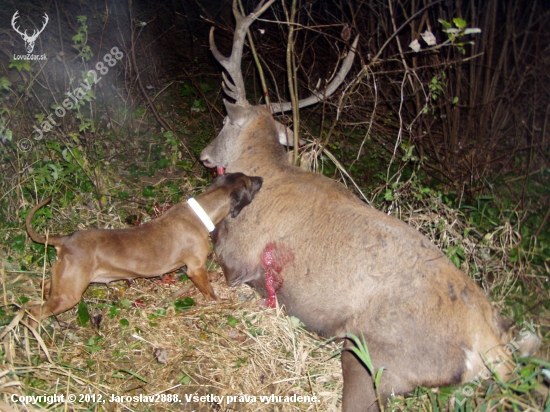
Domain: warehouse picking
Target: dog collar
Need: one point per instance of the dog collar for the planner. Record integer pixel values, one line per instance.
(201, 214)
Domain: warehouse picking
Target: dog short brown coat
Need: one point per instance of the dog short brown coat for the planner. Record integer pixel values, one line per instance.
(175, 239)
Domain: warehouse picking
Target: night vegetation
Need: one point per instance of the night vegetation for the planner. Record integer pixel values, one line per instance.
(442, 121)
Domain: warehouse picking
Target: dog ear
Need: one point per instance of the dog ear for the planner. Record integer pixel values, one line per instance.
(243, 196)
(238, 200)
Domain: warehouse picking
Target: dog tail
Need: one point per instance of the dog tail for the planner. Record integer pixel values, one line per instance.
(28, 222)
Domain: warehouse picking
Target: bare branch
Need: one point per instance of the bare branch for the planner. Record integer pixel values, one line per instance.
(329, 90)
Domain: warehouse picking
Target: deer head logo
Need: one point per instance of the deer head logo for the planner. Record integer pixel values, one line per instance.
(29, 40)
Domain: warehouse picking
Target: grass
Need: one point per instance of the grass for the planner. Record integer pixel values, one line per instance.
(145, 344)
(139, 339)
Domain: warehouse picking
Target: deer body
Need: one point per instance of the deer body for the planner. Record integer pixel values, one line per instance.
(341, 266)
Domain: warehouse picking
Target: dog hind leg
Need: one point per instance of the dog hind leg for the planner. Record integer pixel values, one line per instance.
(66, 287)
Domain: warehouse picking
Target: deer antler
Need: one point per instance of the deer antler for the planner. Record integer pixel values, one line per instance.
(330, 89)
(235, 89)
(232, 64)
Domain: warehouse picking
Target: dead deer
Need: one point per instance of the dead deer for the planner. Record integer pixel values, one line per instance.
(341, 266)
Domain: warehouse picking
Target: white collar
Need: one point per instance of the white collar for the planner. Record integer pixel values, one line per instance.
(201, 214)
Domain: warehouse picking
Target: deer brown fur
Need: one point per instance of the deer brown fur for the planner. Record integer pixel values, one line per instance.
(341, 266)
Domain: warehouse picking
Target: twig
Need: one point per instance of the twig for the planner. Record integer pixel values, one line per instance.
(292, 77)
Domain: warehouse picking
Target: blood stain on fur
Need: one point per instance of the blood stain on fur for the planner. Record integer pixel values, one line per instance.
(274, 259)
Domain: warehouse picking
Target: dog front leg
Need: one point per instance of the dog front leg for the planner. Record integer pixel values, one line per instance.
(198, 275)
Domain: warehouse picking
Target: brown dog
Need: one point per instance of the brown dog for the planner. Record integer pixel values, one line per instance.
(175, 239)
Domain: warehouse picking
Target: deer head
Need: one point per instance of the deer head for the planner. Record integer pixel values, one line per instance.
(29, 40)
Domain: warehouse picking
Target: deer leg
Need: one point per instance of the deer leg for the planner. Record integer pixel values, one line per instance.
(359, 394)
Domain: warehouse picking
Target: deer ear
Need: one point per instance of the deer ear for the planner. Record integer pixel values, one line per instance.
(286, 136)
(237, 114)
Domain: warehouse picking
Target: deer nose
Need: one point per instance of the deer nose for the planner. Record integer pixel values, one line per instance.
(206, 160)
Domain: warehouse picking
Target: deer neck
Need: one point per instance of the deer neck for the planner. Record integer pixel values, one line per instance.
(261, 158)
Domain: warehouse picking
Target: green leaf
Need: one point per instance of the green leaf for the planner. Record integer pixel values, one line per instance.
(20, 65)
(361, 350)
(4, 83)
(256, 332)
(163, 163)
(78, 37)
(232, 321)
(8, 135)
(455, 260)
(55, 170)
(87, 186)
(83, 315)
(460, 23)
(455, 100)
(113, 311)
(124, 322)
(378, 377)
(169, 135)
(182, 305)
(446, 24)
(185, 90)
(18, 243)
(66, 155)
(206, 87)
(149, 191)
(184, 379)
(240, 362)
(297, 323)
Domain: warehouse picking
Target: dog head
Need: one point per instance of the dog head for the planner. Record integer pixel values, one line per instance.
(242, 188)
